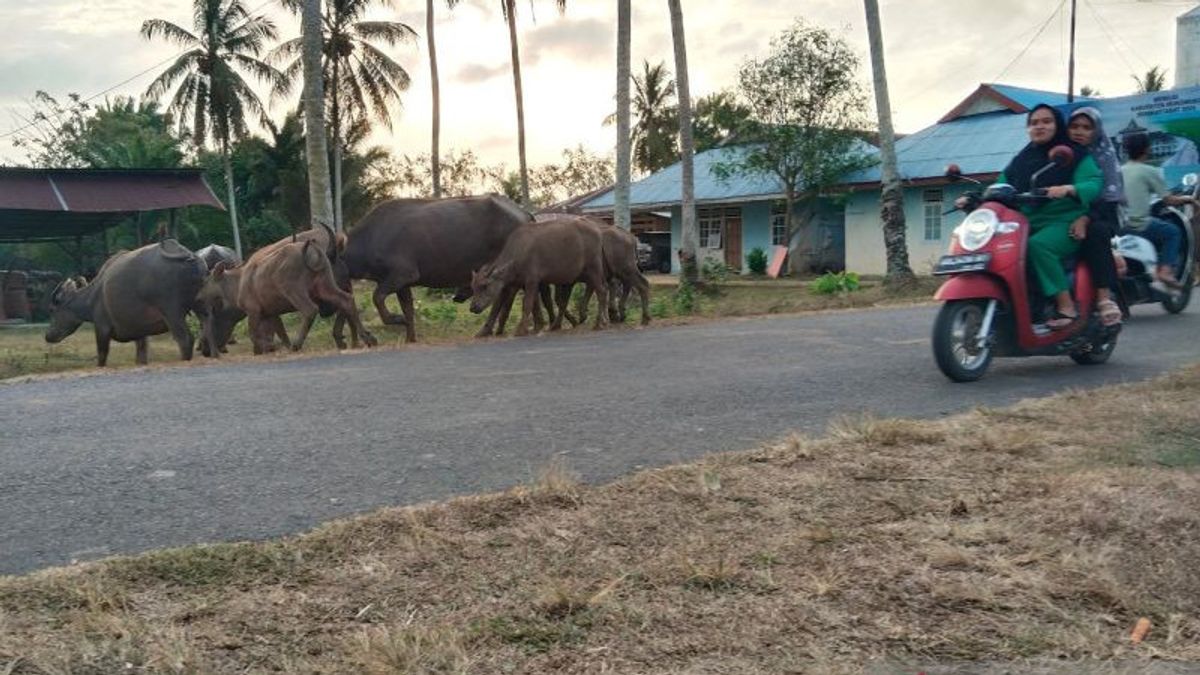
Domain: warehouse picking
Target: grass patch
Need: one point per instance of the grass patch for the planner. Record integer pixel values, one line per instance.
(23, 351)
(1038, 533)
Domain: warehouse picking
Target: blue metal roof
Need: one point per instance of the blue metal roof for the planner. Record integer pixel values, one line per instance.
(1031, 97)
(978, 144)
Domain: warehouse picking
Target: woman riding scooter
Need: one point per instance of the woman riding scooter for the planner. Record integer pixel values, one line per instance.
(1070, 191)
(1095, 229)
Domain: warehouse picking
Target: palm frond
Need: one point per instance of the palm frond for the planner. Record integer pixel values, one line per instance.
(391, 32)
(186, 62)
(286, 51)
(154, 28)
(392, 70)
(259, 69)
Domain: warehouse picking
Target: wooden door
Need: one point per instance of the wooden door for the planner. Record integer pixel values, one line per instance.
(733, 238)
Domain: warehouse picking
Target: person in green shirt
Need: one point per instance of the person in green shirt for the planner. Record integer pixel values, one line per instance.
(1070, 189)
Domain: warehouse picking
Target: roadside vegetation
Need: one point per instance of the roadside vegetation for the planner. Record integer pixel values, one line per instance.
(1043, 532)
(24, 352)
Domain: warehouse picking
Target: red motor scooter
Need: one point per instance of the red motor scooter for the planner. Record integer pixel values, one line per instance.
(988, 308)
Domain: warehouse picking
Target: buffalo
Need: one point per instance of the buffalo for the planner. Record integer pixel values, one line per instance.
(555, 251)
(136, 294)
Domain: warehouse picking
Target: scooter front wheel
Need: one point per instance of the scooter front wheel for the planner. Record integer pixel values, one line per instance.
(956, 340)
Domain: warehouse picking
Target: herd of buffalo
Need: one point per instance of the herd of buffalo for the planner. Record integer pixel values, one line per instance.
(487, 248)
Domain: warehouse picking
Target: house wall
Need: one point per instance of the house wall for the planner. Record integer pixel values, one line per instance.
(865, 252)
(827, 229)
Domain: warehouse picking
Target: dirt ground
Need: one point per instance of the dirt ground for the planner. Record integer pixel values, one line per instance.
(1030, 537)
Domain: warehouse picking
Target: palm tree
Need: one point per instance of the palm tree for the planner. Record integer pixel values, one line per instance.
(621, 214)
(891, 211)
(654, 133)
(508, 10)
(1155, 79)
(687, 149)
(360, 80)
(213, 100)
(436, 166)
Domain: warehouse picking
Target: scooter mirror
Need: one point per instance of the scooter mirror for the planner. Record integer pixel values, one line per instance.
(1062, 155)
(1190, 180)
(953, 172)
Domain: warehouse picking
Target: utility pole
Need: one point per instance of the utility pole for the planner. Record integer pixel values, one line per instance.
(1071, 62)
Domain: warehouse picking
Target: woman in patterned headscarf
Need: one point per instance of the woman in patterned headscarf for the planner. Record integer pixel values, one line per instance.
(1096, 228)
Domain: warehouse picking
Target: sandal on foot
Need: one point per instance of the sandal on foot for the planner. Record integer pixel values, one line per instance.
(1110, 313)
(1060, 321)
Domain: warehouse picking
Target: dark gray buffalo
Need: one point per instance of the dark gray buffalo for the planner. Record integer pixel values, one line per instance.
(136, 294)
(435, 243)
(215, 253)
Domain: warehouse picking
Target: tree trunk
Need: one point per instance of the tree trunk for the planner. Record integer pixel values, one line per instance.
(621, 214)
(237, 235)
(435, 161)
(336, 126)
(689, 232)
(511, 9)
(315, 147)
(891, 211)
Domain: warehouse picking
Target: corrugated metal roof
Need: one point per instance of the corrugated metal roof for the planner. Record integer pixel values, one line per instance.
(1031, 97)
(662, 188)
(978, 144)
(47, 204)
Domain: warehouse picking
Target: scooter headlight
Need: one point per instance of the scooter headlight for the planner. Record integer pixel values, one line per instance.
(977, 229)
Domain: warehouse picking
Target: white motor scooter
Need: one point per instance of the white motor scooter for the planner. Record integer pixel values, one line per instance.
(1137, 284)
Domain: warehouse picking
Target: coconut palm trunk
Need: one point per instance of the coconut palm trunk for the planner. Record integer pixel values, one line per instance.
(435, 163)
(316, 148)
(621, 213)
(228, 162)
(891, 211)
(510, 11)
(690, 235)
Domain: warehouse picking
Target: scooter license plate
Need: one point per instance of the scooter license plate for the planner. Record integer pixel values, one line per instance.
(955, 264)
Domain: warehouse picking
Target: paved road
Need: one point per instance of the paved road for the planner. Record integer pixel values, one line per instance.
(130, 461)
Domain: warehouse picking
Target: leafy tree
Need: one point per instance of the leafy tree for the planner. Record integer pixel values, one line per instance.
(213, 100)
(360, 80)
(581, 172)
(720, 117)
(809, 110)
(1155, 79)
(1087, 90)
(461, 174)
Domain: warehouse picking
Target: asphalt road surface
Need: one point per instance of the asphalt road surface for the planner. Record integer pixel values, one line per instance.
(130, 461)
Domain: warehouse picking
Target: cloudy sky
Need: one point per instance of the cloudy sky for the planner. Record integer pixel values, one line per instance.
(937, 53)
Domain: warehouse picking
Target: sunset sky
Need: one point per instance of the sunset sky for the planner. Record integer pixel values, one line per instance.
(937, 53)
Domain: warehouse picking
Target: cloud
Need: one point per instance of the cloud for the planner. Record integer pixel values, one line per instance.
(579, 41)
(477, 72)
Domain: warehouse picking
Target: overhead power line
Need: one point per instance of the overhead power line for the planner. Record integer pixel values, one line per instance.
(1029, 44)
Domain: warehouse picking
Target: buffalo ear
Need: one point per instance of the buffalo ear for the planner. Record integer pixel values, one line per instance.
(218, 270)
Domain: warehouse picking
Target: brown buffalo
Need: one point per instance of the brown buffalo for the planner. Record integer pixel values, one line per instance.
(555, 251)
(292, 277)
(620, 263)
(437, 243)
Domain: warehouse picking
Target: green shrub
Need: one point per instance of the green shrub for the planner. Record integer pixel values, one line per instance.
(835, 282)
(756, 261)
(714, 271)
(684, 299)
(443, 313)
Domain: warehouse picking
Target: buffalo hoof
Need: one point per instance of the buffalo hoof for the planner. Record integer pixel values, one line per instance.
(296, 348)
(369, 339)
(341, 344)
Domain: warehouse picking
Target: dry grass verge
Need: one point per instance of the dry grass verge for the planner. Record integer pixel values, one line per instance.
(1036, 534)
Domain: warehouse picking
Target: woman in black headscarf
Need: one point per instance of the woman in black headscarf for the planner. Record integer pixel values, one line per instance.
(1049, 223)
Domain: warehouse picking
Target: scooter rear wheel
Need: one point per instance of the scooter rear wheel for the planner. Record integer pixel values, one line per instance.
(1098, 353)
(1179, 301)
(955, 341)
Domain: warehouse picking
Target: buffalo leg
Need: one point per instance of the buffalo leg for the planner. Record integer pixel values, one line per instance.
(257, 339)
(643, 288)
(616, 308)
(410, 318)
(339, 332)
(584, 301)
(275, 325)
(103, 339)
(528, 304)
(177, 324)
(143, 351)
(349, 312)
(393, 284)
(598, 284)
(499, 310)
